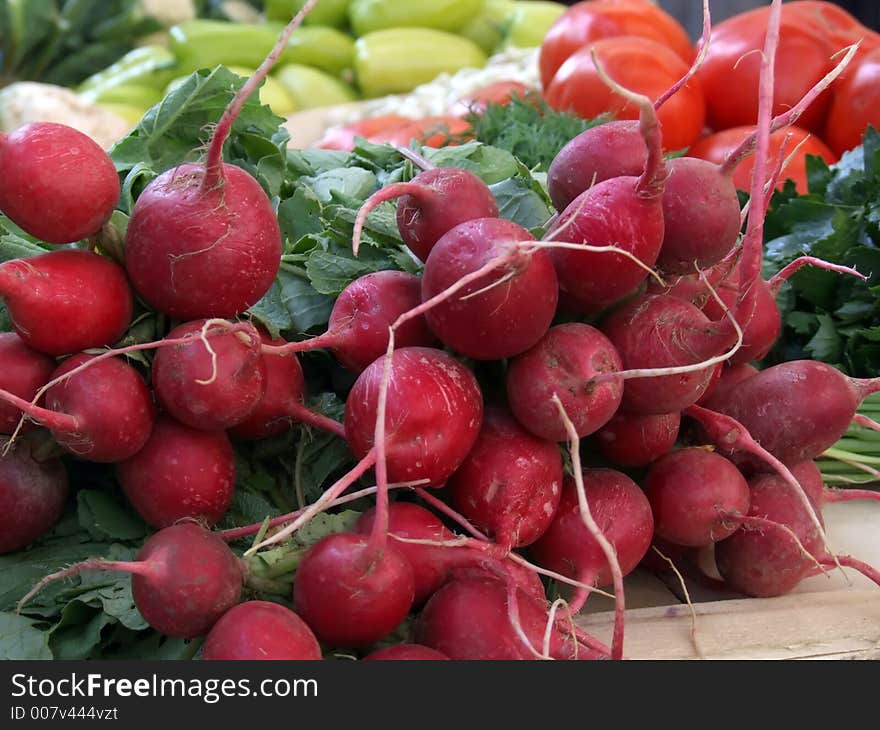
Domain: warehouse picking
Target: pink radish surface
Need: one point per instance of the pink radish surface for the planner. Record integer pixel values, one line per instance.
(350, 597)
(405, 652)
(67, 300)
(564, 362)
(181, 472)
(510, 483)
(433, 415)
(23, 371)
(57, 184)
(621, 511)
(630, 439)
(502, 313)
(33, 495)
(260, 630)
(695, 497)
(210, 389)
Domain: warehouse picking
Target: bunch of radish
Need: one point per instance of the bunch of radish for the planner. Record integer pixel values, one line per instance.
(592, 354)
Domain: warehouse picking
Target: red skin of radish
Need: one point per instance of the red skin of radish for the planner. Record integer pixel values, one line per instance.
(621, 511)
(260, 630)
(630, 439)
(467, 619)
(111, 405)
(605, 151)
(187, 579)
(510, 483)
(285, 386)
(58, 184)
(761, 331)
(767, 562)
(503, 321)
(729, 377)
(694, 495)
(193, 253)
(795, 410)
(439, 200)
(611, 213)
(655, 331)
(350, 596)
(434, 565)
(32, 497)
(563, 362)
(67, 300)
(233, 394)
(701, 216)
(364, 311)
(433, 415)
(405, 652)
(180, 473)
(23, 371)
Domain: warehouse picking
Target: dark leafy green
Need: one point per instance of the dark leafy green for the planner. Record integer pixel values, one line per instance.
(828, 316)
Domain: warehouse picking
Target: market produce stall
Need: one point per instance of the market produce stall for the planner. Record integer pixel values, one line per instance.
(385, 353)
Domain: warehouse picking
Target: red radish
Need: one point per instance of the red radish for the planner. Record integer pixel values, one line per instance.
(260, 630)
(282, 404)
(184, 579)
(469, 619)
(656, 331)
(357, 332)
(23, 371)
(433, 202)
(103, 413)
(210, 389)
(796, 410)
(58, 184)
(433, 558)
(405, 652)
(767, 562)
(606, 151)
(67, 300)
(433, 416)
(350, 596)
(696, 496)
(510, 483)
(32, 496)
(622, 513)
(501, 314)
(203, 240)
(729, 377)
(630, 439)
(181, 472)
(564, 362)
(626, 212)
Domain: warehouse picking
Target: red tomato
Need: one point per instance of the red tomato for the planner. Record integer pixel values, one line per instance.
(731, 70)
(591, 20)
(500, 92)
(342, 137)
(855, 105)
(826, 18)
(716, 147)
(638, 64)
(439, 131)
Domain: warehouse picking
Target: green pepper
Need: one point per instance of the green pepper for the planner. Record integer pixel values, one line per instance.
(397, 60)
(487, 30)
(530, 22)
(133, 94)
(367, 16)
(312, 88)
(150, 65)
(330, 13)
(209, 43)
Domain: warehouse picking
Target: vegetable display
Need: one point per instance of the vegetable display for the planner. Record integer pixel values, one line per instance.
(415, 401)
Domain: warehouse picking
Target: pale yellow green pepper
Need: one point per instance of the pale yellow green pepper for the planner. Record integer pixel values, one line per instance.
(530, 21)
(367, 16)
(397, 60)
(310, 87)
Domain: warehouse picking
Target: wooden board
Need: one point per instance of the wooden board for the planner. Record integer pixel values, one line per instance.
(835, 616)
